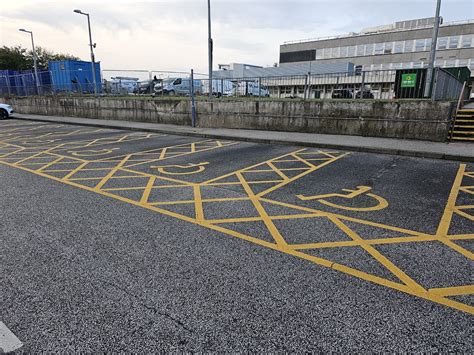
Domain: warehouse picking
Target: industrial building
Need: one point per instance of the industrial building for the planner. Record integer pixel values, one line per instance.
(401, 45)
(367, 60)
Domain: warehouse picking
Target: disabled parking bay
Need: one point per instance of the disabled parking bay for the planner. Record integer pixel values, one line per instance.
(132, 241)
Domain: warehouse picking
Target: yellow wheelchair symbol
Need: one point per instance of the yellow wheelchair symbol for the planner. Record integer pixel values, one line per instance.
(91, 152)
(360, 190)
(164, 169)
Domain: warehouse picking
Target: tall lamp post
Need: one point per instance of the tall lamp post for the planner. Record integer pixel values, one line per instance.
(35, 63)
(92, 46)
(210, 47)
(434, 42)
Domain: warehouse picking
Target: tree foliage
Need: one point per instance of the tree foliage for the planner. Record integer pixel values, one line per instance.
(19, 58)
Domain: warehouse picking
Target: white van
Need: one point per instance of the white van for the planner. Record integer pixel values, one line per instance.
(177, 86)
(249, 88)
(220, 87)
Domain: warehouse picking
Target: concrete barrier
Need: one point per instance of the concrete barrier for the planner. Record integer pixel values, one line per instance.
(409, 119)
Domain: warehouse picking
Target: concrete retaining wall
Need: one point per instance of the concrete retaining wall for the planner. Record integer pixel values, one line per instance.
(409, 119)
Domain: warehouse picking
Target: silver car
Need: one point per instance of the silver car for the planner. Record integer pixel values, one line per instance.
(5, 111)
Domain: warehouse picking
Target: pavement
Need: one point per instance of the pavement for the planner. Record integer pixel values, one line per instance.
(131, 241)
(424, 149)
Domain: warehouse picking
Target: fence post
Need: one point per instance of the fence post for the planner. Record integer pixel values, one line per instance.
(434, 82)
(305, 86)
(222, 87)
(193, 104)
(259, 87)
(362, 85)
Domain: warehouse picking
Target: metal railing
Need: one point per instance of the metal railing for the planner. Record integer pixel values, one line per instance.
(376, 85)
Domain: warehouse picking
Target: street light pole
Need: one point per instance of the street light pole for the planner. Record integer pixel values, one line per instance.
(434, 42)
(35, 60)
(210, 47)
(92, 46)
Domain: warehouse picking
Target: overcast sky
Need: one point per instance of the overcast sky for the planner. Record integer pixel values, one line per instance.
(172, 34)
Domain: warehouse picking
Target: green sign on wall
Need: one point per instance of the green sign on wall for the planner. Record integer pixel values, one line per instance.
(408, 80)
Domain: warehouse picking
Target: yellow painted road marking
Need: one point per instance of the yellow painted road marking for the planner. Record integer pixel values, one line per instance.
(280, 244)
(453, 291)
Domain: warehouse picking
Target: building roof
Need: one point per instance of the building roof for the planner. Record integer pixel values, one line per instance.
(399, 26)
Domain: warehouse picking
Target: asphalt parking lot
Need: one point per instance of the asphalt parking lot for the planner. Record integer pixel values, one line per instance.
(131, 241)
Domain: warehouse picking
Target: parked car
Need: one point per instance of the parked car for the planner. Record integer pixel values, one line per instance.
(342, 94)
(122, 85)
(147, 86)
(5, 111)
(365, 94)
(177, 86)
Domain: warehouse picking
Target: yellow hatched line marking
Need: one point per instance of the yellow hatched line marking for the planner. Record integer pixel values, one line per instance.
(450, 209)
(464, 214)
(378, 256)
(75, 170)
(276, 170)
(198, 203)
(33, 156)
(453, 291)
(165, 178)
(353, 243)
(111, 173)
(189, 202)
(268, 222)
(146, 193)
(169, 154)
(461, 236)
(320, 261)
(450, 205)
(49, 164)
(263, 193)
(245, 170)
(347, 218)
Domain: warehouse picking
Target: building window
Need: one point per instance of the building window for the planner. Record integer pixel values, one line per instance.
(428, 44)
(443, 43)
(369, 49)
(418, 65)
(299, 56)
(454, 42)
(351, 51)
(335, 52)
(409, 46)
(343, 52)
(379, 48)
(467, 41)
(398, 47)
(360, 50)
(388, 48)
(419, 45)
(471, 66)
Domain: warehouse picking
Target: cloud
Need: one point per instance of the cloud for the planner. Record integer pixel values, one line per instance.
(172, 34)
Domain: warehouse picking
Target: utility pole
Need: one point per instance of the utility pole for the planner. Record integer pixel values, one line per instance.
(35, 59)
(434, 42)
(210, 47)
(92, 46)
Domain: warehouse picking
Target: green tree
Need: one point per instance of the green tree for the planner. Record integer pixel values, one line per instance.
(44, 56)
(15, 58)
(18, 58)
